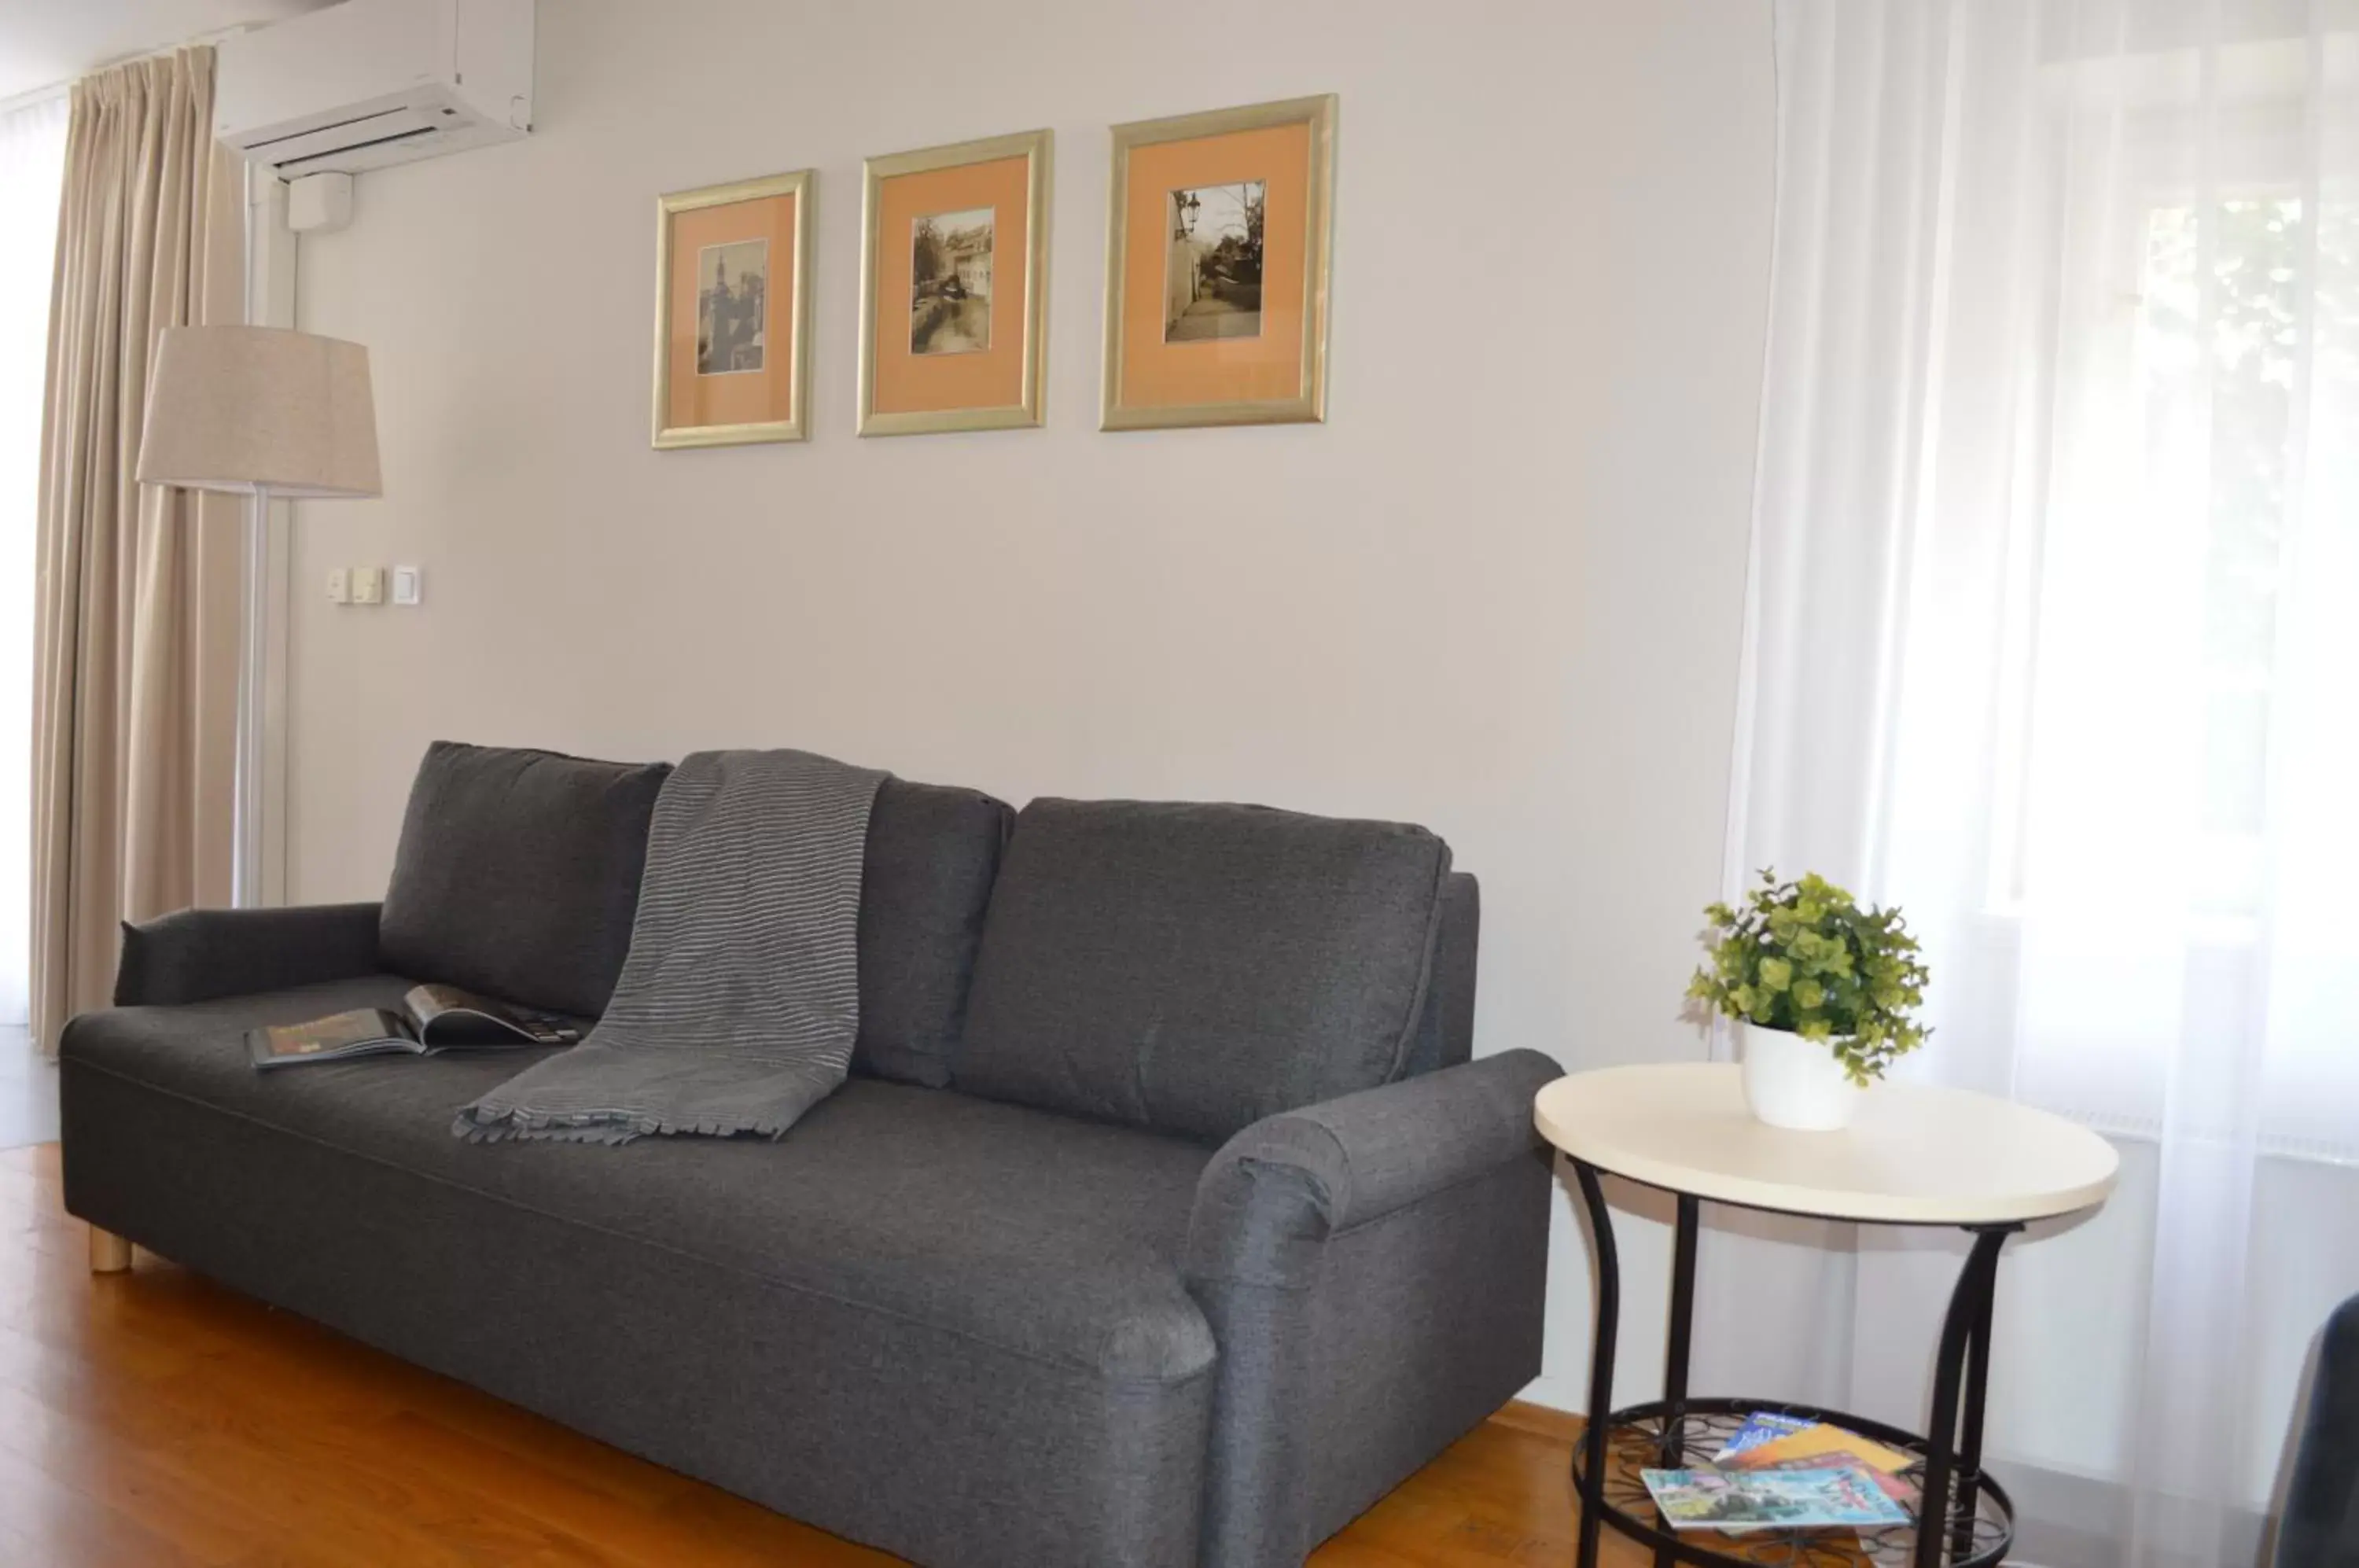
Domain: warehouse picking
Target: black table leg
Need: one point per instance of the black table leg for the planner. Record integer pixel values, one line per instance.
(1672, 1454)
(1963, 1357)
(1682, 1331)
(1591, 1480)
(1969, 1446)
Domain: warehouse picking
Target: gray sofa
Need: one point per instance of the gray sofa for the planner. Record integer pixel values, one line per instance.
(1164, 1220)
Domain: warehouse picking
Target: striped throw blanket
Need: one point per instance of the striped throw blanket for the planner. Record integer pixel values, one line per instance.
(737, 1007)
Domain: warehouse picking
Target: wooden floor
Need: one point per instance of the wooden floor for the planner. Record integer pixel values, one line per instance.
(151, 1418)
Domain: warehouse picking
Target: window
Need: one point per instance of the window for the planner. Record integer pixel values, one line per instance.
(2171, 856)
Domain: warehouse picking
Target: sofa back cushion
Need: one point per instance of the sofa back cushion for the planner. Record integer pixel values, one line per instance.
(1193, 968)
(932, 854)
(518, 874)
(1445, 1029)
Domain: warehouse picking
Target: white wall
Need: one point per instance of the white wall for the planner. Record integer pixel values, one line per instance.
(1497, 593)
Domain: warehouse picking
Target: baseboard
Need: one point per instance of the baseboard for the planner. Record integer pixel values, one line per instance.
(2067, 1521)
(1540, 1420)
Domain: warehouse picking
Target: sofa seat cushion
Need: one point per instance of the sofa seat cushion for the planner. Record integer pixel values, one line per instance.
(1047, 1238)
(1193, 968)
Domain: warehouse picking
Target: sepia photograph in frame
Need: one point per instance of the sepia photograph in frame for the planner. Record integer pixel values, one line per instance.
(733, 313)
(953, 287)
(1218, 253)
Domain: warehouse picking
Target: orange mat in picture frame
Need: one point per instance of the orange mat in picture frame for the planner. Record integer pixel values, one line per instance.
(731, 311)
(952, 280)
(1218, 267)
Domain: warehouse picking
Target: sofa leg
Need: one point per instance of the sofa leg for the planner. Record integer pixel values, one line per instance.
(109, 1253)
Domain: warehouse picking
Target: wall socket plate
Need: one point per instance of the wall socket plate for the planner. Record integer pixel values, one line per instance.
(340, 586)
(368, 584)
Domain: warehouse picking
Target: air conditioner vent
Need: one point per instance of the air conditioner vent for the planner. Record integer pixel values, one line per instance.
(398, 147)
(371, 82)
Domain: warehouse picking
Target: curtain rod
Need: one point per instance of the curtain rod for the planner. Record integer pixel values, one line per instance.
(33, 96)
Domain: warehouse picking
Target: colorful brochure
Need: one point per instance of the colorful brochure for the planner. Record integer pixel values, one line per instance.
(1784, 1499)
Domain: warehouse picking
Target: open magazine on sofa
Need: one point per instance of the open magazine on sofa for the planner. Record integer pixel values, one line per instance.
(430, 1018)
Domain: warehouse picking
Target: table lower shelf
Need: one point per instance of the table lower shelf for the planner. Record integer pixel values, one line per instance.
(1981, 1526)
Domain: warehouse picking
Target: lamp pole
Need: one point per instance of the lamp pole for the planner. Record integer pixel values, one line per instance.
(245, 819)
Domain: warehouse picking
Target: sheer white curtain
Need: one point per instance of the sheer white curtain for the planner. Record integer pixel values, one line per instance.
(32, 163)
(2054, 640)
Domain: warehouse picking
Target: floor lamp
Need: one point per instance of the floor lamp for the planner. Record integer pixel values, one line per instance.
(273, 415)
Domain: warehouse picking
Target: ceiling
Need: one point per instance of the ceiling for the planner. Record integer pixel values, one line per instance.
(44, 42)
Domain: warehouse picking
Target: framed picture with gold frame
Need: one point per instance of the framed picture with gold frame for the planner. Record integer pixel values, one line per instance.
(953, 287)
(732, 310)
(1217, 260)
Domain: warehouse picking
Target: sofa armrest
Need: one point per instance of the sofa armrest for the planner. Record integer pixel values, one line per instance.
(1374, 1269)
(1278, 1190)
(2321, 1524)
(197, 954)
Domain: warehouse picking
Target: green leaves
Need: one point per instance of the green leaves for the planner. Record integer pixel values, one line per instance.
(1804, 956)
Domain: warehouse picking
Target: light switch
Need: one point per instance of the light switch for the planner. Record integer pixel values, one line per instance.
(368, 584)
(340, 586)
(406, 585)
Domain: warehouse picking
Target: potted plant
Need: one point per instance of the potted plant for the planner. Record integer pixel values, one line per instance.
(1824, 995)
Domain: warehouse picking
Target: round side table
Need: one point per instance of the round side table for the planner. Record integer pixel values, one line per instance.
(1915, 1156)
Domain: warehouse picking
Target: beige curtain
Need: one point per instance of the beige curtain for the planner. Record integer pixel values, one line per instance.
(137, 589)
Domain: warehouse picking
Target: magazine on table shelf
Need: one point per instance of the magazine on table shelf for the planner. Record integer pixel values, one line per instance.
(1772, 1442)
(430, 1018)
(1899, 1489)
(1819, 1440)
(1760, 1427)
(1835, 1498)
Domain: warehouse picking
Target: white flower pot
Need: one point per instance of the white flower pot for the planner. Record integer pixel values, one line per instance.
(1794, 1083)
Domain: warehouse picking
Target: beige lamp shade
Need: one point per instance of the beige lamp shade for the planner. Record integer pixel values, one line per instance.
(245, 408)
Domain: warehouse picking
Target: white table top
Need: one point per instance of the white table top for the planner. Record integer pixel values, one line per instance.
(1914, 1155)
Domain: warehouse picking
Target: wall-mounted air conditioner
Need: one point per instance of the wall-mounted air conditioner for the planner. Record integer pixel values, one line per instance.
(371, 82)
